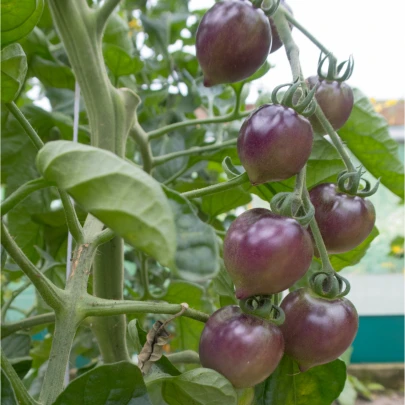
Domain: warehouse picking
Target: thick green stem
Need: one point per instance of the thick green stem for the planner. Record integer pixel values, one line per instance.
(337, 142)
(108, 280)
(111, 113)
(67, 321)
(192, 151)
(51, 294)
(212, 120)
(26, 324)
(21, 393)
(217, 188)
(93, 306)
(65, 330)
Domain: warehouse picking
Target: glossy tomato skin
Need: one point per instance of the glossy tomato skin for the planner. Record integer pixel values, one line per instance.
(336, 101)
(276, 43)
(274, 143)
(344, 220)
(243, 348)
(233, 40)
(317, 330)
(265, 253)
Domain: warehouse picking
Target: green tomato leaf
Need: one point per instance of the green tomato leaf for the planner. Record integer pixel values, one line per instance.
(200, 386)
(13, 70)
(117, 33)
(188, 331)
(120, 62)
(225, 201)
(158, 31)
(18, 166)
(319, 385)
(118, 193)
(18, 18)
(52, 74)
(366, 134)
(119, 384)
(197, 255)
(16, 345)
(354, 256)
(21, 365)
(224, 287)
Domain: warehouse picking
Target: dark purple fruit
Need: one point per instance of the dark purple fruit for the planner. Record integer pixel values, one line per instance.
(233, 41)
(336, 101)
(265, 253)
(274, 143)
(317, 330)
(243, 348)
(344, 220)
(276, 43)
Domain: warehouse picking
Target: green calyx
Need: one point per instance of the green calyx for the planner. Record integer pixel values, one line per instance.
(269, 7)
(329, 285)
(306, 104)
(335, 72)
(291, 205)
(349, 183)
(263, 307)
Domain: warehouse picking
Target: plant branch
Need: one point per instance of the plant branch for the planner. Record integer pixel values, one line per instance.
(8, 329)
(335, 138)
(72, 220)
(51, 294)
(296, 24)
(316, 233)
(19, 290)
(141, 138)
(21, 393)
(104, 12)
(93, 306)
(192, 151)
(290, 46)
(184, 357)
(71, 216)
(22, 193)
(19, 116)
(104, 236)
(217, 188)
(211, 120)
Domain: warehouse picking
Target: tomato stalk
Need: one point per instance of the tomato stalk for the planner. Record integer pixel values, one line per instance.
(216, 188)
(21, 393)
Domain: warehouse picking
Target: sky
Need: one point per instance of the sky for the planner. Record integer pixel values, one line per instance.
(371, 30)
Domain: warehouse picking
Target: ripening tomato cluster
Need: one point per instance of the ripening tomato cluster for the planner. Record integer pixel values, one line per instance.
(266, 253)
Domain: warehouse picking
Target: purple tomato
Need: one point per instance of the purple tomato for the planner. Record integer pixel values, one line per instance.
(242, 347)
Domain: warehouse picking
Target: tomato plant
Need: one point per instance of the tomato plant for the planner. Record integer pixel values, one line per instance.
(136, 266)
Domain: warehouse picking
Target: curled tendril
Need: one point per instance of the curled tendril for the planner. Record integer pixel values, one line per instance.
(339, 73)
(291, 205)
(269, 7)
(349, 182)
(263, 307)
(329, 284)
(306, 104)
(229, 168)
